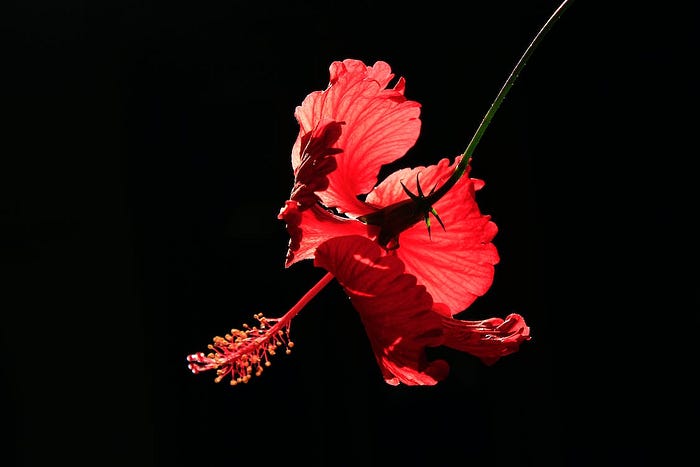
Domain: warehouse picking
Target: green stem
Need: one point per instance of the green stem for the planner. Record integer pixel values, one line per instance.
(466, 156)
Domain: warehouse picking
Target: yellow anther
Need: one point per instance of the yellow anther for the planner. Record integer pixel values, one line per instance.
(242, 354)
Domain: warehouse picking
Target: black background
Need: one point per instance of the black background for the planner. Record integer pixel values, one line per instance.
(146, 154)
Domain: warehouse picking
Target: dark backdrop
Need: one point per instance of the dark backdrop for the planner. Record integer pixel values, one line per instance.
(146, 154)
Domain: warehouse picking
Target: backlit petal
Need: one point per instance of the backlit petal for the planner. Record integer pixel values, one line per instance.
(378, 126)
(309, 228)
(396, 312)
(456, 265)
(489, 339)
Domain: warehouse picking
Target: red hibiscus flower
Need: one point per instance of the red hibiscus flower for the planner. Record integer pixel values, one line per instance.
(405, 279)
(347, 132)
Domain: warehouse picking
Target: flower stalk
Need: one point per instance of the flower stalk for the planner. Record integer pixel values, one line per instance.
(481, 129)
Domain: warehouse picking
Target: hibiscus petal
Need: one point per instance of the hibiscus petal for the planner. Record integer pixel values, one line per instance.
(311, 227)
(489, 339)
(379, 125)
(396, 312)
(455, 265)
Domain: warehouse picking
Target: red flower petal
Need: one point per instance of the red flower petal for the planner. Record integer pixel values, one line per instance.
(309, 228)
(455, 265)
(379, 126)
(311, 173)
(396, 312)
(489, 339)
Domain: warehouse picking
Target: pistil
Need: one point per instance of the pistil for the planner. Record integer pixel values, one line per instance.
(245, 353)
